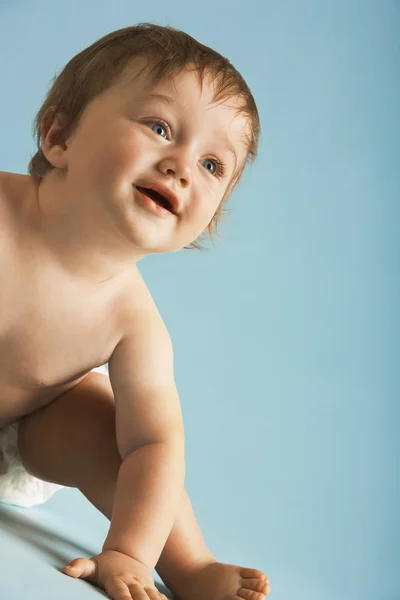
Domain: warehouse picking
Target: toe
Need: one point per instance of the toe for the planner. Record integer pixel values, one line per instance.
(251, 573)
(255, 585)
(250, 594)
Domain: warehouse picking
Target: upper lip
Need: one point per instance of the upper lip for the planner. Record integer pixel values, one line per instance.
(165, 191)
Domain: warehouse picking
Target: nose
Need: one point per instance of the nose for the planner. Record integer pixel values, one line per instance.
(179, 167)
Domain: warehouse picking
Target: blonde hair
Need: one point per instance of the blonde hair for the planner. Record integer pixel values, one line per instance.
(170, 51)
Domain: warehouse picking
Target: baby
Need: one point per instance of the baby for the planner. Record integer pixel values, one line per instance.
(141, 139)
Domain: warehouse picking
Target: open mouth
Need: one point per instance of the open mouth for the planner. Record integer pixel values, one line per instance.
(158, 198)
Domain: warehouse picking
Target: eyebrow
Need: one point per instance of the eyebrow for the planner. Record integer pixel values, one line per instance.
(171, 102)
(167, 99)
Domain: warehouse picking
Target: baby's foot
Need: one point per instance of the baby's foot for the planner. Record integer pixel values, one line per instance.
(219, 581)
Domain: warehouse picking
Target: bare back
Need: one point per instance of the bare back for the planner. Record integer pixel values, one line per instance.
(53, 327)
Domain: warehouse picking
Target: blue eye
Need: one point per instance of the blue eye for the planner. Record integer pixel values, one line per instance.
(215, 166)
(219, 168)
(158, 126)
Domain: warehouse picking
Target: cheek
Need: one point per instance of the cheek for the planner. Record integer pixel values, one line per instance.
(210, 203)
(131, 151)
(116, 158)
(202, 212)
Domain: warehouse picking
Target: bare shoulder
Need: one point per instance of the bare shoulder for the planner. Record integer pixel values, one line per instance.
(14, 189)
(140, 315)
(8, 182)
(143, 359)
(6, 214)
(4, 194)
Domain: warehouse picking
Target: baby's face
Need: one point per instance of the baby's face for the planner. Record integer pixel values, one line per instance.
(131, 136)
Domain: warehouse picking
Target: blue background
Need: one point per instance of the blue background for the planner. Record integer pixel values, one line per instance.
(286, 334)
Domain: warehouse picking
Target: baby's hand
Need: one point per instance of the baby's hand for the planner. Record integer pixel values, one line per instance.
(122, 577)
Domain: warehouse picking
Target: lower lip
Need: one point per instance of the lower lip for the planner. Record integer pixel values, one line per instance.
(153, 206)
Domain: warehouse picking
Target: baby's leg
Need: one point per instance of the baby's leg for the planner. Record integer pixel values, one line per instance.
(72, 442)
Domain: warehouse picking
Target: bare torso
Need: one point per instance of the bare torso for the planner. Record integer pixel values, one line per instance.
(54, 328)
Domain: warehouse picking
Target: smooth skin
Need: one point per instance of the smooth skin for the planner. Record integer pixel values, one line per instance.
(91, 464)
(91, 226)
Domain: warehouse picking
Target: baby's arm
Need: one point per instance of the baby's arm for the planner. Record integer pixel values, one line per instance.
(150, 438)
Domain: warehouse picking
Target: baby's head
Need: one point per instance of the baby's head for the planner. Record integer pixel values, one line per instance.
(105, 124)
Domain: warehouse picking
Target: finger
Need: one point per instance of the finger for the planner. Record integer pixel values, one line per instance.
(80, 567)
(137, 591)
(118, 590)
(153, 593)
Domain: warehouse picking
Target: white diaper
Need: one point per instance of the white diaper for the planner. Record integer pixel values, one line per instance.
(17, 487)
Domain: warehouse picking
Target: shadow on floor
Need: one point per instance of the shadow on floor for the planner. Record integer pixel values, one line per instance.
(14, 522)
